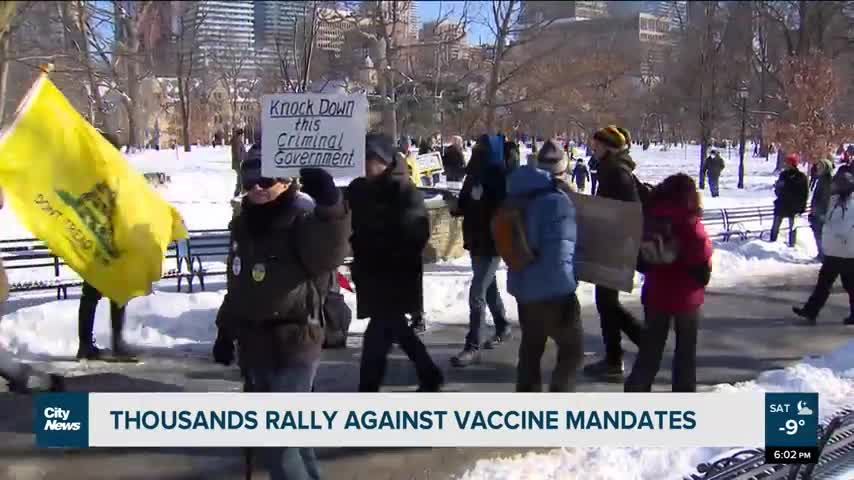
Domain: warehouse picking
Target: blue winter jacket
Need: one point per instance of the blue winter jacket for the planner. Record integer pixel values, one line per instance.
(551, 232)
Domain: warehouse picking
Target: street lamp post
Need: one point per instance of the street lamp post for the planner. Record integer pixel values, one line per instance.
(742, 94)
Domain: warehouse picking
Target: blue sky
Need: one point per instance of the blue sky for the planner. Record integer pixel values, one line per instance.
(477, 32)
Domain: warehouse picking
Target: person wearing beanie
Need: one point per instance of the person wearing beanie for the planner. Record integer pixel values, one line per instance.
(838, 247)
(617, 182)
(792, 191)
(479, 199)
(545, 288)
(279, 257)
(712, 168)
(820, 202)
(390, 229)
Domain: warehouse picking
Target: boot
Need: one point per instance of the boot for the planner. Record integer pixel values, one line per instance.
(802, 312)
(419, 323)
(609, 370)
(465, 358)
(87, 348)
(498, 339)
(120, 347)
(433, 385)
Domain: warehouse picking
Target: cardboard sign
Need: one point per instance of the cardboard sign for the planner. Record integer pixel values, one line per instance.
(429, 162)
(313, 130)
(609, 236)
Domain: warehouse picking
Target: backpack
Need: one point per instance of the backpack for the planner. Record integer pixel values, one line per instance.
(508, 230)
(658, 244)
(644, 191)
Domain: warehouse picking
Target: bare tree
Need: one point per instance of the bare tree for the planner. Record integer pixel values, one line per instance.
(235, 69)
(187, 50)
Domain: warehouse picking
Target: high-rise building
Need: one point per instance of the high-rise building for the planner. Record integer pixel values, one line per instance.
(277, 24)
(536, 12)
(447, 39)
(674, 11)
(332, 27)
(226, 32)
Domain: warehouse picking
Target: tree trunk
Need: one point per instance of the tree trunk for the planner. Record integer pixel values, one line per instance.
(4, 75)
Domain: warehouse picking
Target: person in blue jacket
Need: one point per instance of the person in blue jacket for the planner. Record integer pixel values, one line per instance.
(545, 289)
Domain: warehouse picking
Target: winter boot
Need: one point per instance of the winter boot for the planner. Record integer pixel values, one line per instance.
(87, 348)
(606, 369)
(89, 351)
(434, 385)
(465, 358)
(419, 323)
(498, 339)
(121, 350)
(801, 312)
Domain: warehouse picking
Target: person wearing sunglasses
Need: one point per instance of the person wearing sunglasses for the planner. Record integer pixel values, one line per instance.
(280, 260)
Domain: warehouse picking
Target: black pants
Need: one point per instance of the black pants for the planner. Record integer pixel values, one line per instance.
(594, 182)
(775, 228)
(614, 320)
(559, 320)
(831, 268)
(381, 333)
(86, 316)
(653, 338)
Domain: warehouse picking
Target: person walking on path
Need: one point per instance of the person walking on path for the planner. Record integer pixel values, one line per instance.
(580, 175)
(820, 202)
(593, 165)
(238, 154)
(838, 247)
(792, 190)
(390, 230)
(545, 289)
(713, 167)
(617, 182)
(673, 291)
(280, 259)
(478, 201)
(453, 160)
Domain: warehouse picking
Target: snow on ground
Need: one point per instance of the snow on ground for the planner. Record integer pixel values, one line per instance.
(201, 186)
(831, 376)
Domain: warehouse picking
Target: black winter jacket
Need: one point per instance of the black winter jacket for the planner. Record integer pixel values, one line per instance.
(820, 202)
(390, 230)
(454, 164)
(277, 251)
(477, 213)
(616, 180)
(792, 190)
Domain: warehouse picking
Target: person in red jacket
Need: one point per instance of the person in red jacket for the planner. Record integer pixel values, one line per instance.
(674, 284)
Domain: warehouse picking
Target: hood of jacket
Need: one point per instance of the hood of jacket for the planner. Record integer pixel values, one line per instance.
(620, 159)
(527, 179)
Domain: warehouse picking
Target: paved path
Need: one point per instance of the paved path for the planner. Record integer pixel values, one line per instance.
(746, 331)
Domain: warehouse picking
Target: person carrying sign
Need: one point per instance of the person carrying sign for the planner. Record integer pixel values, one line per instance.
(279, 263)
(390, 229)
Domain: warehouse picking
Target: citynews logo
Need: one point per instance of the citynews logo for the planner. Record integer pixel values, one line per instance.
(57, 420)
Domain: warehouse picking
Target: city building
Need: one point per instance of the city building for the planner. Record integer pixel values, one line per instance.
(226, 30)
(445, 39)
(332, 28)
(673, 11)
(555, 13)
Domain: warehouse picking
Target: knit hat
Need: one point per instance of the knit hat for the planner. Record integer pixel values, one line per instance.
(793, 159)
(551, 158)
(612, 137)
(626, 135)
(250, 167)
(380, 146)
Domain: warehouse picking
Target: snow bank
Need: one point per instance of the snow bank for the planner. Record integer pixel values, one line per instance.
(832, 376)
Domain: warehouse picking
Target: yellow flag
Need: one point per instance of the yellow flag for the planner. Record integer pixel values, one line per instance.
(72, 189)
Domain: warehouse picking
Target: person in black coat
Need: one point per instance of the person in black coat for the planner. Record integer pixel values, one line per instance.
(454, 162)
(593, 165)
(820, 203)
(390, 229)
(792, 190)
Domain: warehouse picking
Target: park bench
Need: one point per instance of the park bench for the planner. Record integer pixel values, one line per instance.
(745, 222)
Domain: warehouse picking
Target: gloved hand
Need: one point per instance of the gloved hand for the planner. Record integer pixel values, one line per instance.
(223, 349)
(319, 185)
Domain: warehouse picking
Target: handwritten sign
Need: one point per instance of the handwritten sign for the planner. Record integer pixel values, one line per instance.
(313, 130)
(429, 162)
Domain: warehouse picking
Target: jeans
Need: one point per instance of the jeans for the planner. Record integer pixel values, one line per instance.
(482, 294)
(653, 338)
(816, 227)
(775, 228)
(614, 320)
(713, 186)
(286, 463)
(594, 182)
(831, 268)
(560, 320)
(86, 316)
(381, 333)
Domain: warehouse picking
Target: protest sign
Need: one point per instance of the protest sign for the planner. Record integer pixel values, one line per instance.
(313, 130)
(609, 236)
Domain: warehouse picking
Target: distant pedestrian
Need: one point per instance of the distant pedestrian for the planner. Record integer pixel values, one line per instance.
(593, 165)
(453, 161)
(238, 154)
(713, 166)
(820, 202)
(580, 175)
(390, 230)
(838, 247)
(676, 272)
(792, 190)
(545, 288)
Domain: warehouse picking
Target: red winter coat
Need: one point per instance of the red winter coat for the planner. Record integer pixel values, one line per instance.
(672, 288)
